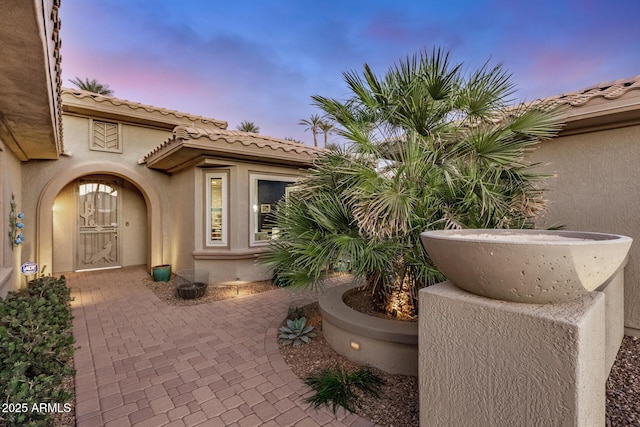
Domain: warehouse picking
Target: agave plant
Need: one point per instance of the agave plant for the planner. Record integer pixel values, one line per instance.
(296, 332)
(432, 147)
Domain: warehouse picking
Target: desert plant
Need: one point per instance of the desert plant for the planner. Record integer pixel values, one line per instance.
(430, 148)
(295, 312)
(313, 123)
(336, 386)
(296, 332)
(247, 126)
(92, 85)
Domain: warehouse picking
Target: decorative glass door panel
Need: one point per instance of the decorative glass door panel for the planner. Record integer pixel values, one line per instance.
(98, 223)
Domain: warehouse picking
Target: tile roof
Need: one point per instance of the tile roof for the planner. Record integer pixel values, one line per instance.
(189, 142)
(246, 139)
(57, 42)
(605, 90)
(81, 94)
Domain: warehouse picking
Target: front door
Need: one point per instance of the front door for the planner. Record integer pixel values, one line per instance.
(98, 220)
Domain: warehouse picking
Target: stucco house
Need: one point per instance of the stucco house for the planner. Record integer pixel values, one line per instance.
(146, 185)
(129, 184)
(595, 162)
(104, 182)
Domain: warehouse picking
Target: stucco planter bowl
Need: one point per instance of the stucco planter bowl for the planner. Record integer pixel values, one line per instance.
(531, 266)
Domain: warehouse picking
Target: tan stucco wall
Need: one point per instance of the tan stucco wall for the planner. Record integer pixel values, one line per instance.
(182, 213)
(64, 229)
(134, 227)
(597, 188)
(10, 260)
(485, 362)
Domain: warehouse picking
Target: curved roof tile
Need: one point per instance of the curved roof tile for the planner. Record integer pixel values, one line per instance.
(82, 94)
(244, 138)
(253, 144)
(606, 90)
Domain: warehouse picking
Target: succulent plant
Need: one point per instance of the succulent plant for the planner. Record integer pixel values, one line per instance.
(296, 332)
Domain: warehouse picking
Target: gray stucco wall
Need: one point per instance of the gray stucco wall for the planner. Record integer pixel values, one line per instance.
(597, 188)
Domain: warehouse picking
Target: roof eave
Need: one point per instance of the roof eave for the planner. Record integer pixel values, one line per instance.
(179, 154)
(602, 114)
(110, 108)
(30, 113)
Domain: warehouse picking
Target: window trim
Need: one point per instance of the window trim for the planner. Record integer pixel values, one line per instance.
(225, 209)
(253, 207)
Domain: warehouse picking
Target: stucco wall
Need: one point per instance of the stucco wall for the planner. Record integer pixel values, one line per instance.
(597, 188)
(182, 215)
(133, 227)
(10, 260)
(64, 229)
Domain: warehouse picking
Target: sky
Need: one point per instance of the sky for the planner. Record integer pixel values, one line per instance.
(261, 61)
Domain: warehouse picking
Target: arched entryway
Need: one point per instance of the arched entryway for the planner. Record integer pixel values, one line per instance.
(59, 228)
(99, 221)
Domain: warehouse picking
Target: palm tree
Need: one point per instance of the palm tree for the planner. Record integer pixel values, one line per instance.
(92, 86)
(431, 147)
(247, 126)
(291, 139)
(327, 128)
(313, 124)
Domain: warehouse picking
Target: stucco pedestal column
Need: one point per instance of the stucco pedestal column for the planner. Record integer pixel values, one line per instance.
(496, 363)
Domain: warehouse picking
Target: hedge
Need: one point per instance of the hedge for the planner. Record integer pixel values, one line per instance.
(36, 350)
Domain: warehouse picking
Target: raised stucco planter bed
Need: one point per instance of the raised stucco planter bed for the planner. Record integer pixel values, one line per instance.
(390, 345)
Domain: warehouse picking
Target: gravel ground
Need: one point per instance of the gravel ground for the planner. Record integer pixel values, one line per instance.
(623, 386)
(398, 402)
(167, 293)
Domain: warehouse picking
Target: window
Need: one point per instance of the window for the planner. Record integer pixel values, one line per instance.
(266, 191)
(216, 203)
(105, 136)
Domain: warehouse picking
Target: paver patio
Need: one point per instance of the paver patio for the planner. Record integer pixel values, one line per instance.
(142, 362)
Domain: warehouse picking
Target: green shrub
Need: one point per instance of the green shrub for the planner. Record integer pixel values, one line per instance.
(36, 343)
(337, 386)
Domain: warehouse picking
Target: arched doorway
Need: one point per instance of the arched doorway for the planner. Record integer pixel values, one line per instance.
(144, 209)
(100, 221)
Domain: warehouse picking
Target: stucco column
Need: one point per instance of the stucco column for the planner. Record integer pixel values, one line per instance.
(498, 363)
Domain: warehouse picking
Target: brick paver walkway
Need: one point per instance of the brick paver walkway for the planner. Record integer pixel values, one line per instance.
(144, 363)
